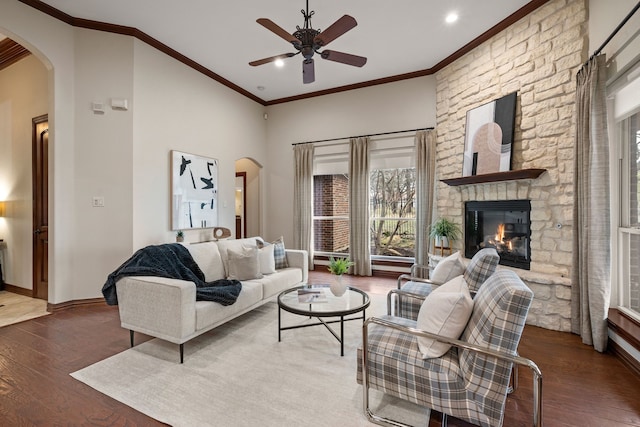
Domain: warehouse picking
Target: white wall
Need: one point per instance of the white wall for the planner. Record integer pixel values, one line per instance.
(177, 108)
(53, 43)
(103, 163)
(123, 156)
(408, 104)
(23, 96)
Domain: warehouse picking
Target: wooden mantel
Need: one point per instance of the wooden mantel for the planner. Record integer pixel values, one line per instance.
(495, 177)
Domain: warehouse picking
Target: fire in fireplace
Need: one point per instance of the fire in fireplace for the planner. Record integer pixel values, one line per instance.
(503, 225)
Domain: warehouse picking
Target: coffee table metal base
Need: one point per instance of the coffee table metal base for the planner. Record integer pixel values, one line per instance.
(322, 322)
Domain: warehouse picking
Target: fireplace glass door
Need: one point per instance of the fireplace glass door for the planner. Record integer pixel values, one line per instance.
(503, 225)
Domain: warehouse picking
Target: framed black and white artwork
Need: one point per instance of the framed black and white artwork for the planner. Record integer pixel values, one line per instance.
(194, 191)
(489, 137)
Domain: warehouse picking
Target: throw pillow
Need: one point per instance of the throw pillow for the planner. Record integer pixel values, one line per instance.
(448, 268)
(244, 264)
(446, 311)
(267, 261)
(279, 254)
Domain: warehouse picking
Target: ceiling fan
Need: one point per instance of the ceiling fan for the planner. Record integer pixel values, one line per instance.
(308, 41)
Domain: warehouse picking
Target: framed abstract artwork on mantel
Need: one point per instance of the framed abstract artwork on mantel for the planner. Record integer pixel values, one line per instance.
(489, 137)
(194, 191)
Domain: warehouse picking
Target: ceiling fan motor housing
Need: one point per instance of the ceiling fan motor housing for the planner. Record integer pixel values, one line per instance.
(307, 46)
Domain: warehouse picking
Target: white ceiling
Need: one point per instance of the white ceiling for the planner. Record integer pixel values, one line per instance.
(397, 37)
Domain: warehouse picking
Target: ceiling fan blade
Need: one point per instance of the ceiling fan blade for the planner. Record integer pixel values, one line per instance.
(275, 28)
(335, 30)
(308, 71)
(271, 59)
(345, 58)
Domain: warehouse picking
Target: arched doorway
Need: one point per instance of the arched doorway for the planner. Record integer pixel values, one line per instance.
(248, 198)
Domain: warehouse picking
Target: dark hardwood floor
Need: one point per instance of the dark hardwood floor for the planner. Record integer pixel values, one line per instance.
(581, 387)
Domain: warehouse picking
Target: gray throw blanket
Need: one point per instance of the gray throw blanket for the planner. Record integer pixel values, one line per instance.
(174, 261)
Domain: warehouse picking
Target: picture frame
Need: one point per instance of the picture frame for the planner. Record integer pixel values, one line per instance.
(488, 137)
(194, 191)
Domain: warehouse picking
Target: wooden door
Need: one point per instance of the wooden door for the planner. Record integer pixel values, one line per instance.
(40, 156)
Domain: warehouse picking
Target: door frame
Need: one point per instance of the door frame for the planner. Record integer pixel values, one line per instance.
(35, 192)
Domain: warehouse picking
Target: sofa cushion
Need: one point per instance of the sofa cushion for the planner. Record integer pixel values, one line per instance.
(237, 245)
(208, 258)
(244, 264)
(267, 261)
(211, 313)
(446, 311)
(275, 283)
(279, 251)
(280, 254)
(448, 268)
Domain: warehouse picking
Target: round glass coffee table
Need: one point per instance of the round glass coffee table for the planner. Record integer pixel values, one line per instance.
(318, 301)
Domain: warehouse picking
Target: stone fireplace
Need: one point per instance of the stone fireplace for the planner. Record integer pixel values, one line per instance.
(538, 58)
(503, 225)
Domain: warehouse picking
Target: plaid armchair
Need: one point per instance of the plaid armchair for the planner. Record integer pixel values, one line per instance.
(413, 288)
(471, 380)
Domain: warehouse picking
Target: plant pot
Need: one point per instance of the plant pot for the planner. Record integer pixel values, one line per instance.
(179, 239)
(337, 287)
(442, 241)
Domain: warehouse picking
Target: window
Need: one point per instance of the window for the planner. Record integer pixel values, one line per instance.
(629, 229)
(391, 193)
(624, 93)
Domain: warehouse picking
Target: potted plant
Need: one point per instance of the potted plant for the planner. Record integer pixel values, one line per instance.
(180, 236)
(338, 267)
(444, 231)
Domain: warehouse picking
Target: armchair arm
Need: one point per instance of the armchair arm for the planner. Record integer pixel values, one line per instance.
(411, 278)
(517, 360)
(400, 293)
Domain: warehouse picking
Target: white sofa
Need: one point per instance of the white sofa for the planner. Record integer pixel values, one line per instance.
(167, 308)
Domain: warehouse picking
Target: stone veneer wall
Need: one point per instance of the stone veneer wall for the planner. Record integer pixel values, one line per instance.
(537, 57)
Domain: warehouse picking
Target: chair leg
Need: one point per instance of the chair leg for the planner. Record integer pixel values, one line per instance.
(513, 381)
(131, 337)
(445, 420)
(181, 352)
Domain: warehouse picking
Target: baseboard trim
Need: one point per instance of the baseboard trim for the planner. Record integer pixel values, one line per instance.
(626, 359)
(75, 303)
(18, 290)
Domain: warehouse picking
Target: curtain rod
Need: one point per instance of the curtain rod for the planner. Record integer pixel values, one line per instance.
(361, 136)
(613, 34)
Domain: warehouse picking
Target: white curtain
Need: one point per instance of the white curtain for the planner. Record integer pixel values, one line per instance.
(591, 282)
(425, 148)
(359, 246)
(303, 199)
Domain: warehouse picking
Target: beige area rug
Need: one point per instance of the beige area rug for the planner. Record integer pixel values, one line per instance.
(240, 375)
(16, 308)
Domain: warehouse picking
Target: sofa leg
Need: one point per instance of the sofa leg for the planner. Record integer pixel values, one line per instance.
(131, 337)
(181, 353)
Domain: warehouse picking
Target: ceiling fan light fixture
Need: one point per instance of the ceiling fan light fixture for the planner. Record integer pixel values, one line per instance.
(279, 63)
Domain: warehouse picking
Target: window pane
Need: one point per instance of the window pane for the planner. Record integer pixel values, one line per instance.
(393, 237)
(634, 161)
(633, 282)
(392, 197)
(331, 205)
(331, 235)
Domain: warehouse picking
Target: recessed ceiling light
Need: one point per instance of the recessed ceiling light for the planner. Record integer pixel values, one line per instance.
(451, 18)
(279, 63)
(260, 87)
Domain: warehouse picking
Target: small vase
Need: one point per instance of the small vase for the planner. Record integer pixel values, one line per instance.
(338, 288)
